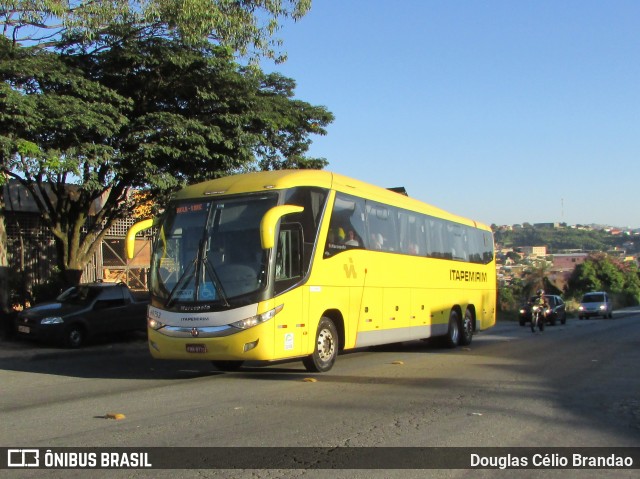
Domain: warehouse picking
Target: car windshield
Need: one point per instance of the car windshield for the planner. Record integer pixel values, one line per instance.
(593, 298)
(81, 295)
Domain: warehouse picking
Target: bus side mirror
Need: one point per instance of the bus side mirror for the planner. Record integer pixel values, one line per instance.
(131, 235)
(270, 220)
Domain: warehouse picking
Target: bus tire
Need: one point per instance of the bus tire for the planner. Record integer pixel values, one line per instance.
(227, 365)
(452, 339)
(325, 350)
(466, 334)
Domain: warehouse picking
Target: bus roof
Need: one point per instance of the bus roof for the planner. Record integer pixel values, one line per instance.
(283, 179)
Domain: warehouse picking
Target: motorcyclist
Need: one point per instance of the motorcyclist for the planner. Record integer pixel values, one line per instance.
(540, 301)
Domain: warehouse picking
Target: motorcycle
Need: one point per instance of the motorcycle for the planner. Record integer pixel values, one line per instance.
(537, 318)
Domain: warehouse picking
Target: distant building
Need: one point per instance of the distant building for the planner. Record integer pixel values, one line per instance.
(563, 266)
(546, 225)
(534, 250)
(567, 262)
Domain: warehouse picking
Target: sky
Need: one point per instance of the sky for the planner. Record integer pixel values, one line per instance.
(501, 111)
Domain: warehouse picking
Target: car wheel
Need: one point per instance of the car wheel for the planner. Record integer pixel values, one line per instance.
(75, 336)
(564, 319)
(325, 349)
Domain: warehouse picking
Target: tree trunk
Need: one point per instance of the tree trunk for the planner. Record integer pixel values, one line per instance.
(72, 277)
(4, 261)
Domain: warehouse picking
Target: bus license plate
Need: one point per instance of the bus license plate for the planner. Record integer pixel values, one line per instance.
(197, 348)
(24, 329)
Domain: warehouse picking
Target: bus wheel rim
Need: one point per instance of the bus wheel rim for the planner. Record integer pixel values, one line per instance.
(326, 345)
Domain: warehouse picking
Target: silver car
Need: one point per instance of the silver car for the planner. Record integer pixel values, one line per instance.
(597, 303)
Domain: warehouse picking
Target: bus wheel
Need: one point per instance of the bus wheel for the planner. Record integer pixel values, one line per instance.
(325, 351)
(452, 338)
(227, 365)
(467, 329)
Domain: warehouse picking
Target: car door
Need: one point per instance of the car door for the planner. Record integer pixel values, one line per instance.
(109, 313)
(551, 300)
(560, 308)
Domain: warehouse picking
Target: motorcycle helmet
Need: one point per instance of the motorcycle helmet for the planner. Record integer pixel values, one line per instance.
(540, 292)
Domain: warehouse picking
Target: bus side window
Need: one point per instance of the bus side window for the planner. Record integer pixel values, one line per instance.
(347, 225)
(411, 233)
(383, 233)
(288, 268)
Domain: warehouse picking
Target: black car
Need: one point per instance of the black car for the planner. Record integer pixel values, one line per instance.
(556, 312)
(84, 311)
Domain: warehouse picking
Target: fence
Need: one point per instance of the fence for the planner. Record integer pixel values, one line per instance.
(31, 254)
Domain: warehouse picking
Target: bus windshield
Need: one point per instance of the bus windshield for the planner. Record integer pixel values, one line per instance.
(209, 252)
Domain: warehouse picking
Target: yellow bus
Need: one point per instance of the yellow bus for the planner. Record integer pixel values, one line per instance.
(276, 265)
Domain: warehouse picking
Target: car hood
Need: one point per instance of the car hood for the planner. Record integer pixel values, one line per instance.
(53, 308)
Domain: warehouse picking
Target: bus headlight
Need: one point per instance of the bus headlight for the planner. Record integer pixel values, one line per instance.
(258, 319)
(155, 324)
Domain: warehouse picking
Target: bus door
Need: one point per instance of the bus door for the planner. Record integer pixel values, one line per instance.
(291, 325)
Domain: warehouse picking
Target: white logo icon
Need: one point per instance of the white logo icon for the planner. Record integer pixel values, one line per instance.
(23, 458)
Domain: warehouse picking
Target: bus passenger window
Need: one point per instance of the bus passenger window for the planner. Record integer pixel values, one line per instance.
(347, 226)
(382, 228)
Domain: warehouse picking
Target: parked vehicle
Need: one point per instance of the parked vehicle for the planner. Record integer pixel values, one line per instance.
(556, 311)
(84, 311)
(596, 303)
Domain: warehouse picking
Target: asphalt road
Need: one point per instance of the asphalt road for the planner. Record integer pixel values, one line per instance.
(575, 385)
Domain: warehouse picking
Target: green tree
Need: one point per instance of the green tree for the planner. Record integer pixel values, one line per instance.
(536, 277)
(149, 113)
(601, 272)
(4, 262)
(244, 26)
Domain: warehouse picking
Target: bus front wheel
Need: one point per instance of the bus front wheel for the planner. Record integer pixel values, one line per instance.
(325, 349)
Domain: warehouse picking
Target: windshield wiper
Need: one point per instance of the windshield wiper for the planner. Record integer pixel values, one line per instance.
(186, 276)
(216, 281)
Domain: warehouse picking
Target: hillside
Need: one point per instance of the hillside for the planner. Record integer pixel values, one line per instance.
(559, 239)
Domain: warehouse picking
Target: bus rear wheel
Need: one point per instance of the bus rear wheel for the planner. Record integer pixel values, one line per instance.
(466, 335)
(325, 349)
(452, 339)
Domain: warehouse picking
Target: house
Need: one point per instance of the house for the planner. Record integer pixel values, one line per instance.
(534, 250)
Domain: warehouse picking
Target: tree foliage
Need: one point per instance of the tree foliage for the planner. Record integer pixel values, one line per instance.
(147, 112)
(244, 26)
(557, 239)
(600, 272)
